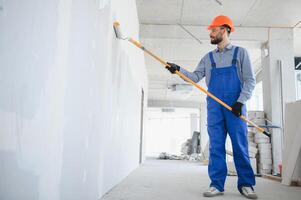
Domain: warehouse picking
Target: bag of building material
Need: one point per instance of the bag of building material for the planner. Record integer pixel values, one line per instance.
(252, 151)
(232, 170)
(265, 160)
(264, 147)
(255, 115)
(265, 166)
(252, 144)
(261, 138)
(265, 171)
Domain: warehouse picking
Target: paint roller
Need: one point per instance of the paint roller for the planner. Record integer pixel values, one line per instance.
(118, 33)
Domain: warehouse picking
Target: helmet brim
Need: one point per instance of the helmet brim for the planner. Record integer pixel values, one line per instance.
(212, 27)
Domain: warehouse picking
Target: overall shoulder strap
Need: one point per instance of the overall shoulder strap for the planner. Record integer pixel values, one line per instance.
(234, 60)
(213, 64)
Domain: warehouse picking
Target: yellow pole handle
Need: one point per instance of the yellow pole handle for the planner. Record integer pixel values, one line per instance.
(137, 44)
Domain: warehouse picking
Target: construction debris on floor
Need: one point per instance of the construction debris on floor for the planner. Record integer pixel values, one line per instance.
(190, 150)
(192, 157)
(166, 156)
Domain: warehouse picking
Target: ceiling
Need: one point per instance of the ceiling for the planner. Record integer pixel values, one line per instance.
(258, 13)
(161, 33)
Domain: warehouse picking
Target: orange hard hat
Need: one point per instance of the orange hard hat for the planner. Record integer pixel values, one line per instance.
(220, 21)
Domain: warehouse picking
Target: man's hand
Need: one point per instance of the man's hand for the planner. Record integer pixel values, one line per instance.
(236, 109)
(173, 67)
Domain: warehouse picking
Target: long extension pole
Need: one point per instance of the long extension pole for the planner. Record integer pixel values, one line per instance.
(138, 44)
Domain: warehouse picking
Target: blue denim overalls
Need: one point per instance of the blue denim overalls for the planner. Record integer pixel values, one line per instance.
(225, 84)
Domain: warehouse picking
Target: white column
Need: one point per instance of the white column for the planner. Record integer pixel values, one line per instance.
(278, 83)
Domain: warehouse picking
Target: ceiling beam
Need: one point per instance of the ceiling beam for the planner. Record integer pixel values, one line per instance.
(176, 32)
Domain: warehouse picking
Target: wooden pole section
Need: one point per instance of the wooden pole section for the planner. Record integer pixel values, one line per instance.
(137, 44)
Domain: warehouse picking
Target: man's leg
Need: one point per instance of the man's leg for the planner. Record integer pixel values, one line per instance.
(217, 168)
(237, 130)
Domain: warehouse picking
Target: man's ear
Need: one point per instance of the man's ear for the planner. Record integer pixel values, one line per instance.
(225, 31)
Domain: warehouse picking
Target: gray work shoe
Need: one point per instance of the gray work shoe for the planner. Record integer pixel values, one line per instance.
(248, 192)
(212, 192)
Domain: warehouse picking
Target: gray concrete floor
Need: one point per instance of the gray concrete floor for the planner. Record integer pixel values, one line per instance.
(182, 180)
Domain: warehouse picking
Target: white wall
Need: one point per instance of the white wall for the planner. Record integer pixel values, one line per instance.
(291, 170)
(70, 98)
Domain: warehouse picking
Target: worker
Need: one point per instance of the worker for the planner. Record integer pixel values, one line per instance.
(229, 76)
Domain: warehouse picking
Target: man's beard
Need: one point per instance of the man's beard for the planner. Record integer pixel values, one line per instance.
(217, 39)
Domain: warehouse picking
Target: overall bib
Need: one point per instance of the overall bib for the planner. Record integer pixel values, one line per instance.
(225, 84)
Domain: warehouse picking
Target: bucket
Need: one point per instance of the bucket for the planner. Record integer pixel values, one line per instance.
(280, 169)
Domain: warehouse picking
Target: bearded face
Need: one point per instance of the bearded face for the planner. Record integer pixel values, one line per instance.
(217, 38)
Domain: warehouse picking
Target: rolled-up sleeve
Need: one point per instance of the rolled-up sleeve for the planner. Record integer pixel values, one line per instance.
(247, 77)
(198, 73)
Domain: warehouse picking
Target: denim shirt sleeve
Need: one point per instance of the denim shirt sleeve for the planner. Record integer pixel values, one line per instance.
(198, 74)
(248, 80)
